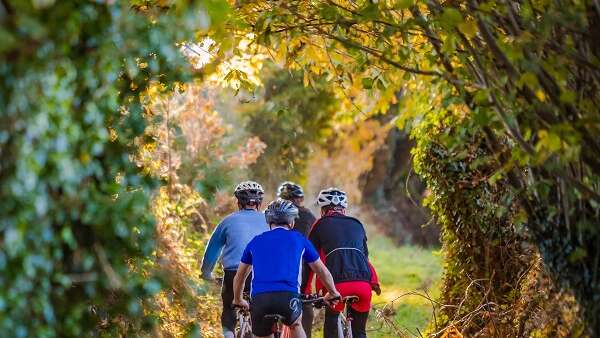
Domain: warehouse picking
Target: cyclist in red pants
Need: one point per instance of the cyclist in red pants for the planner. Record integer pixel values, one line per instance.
(342, 244)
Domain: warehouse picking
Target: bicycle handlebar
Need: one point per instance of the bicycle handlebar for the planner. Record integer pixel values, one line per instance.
(317, 301)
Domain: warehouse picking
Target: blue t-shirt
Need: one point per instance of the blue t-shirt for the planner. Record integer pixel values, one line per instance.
(276, 258)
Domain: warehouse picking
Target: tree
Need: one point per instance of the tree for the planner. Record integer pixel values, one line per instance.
(291, 119)
(525, 73)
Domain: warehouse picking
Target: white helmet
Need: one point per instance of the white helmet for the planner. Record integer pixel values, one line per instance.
(332, 197)
(249, 191)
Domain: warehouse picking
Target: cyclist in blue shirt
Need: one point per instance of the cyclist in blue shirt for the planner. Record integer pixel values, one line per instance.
(228, 242)
(275, 259)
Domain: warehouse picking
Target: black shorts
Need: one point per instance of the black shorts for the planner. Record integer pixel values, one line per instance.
(285, 304)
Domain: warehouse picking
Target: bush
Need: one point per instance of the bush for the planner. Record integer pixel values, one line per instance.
(74, 214)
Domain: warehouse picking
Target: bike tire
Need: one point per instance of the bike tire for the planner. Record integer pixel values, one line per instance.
(345, 326)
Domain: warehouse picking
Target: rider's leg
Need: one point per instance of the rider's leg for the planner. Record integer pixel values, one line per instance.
(359, 323)
(307, 319)
(355, 288)
(228, 314)
(332, 322)
(296, 329)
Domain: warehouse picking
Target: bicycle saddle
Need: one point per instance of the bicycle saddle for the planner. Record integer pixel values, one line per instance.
(351, 299)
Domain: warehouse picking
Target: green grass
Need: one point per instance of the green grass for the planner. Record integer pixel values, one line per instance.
(401, 270)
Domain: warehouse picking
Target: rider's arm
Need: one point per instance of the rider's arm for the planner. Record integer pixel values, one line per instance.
(242, 273)
(325, 276)
(311, 256)
(314, 240)
(239, 280)
(213, 251)
(374, 279)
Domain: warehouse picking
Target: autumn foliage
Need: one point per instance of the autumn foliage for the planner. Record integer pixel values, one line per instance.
(108, 117)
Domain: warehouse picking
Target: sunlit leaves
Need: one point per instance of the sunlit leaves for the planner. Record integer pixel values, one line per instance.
(525, 73)
(172, 147)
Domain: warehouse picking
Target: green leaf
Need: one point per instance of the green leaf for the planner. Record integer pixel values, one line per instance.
(529, 79)
(451, 17)
(370, 11)
(367, 82)
(482, 117)
(7, 40)
(567, 96)
(329, 12)
(468, 28)
(404, 4)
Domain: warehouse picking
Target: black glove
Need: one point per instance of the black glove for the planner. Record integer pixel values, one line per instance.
(375, 287)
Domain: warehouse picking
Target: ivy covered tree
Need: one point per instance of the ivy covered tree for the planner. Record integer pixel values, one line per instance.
(73, 221)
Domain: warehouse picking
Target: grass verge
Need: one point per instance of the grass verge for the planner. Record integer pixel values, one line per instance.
(401, 270)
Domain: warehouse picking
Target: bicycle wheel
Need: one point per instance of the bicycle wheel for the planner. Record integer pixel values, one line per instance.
(345, 326)
(347, 330)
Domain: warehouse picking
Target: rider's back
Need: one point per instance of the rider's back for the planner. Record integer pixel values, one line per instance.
(276, 257)
(342, 244)
(304, 222)
(233, 234)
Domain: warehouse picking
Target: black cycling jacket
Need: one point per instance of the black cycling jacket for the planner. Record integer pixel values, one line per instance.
(342, 243)
(305, 221)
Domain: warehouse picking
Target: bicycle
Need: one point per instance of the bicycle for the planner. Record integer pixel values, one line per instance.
(243, 326)
(346, 318)
(282, 331)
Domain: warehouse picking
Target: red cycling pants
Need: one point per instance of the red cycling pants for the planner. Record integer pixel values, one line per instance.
(357, 288)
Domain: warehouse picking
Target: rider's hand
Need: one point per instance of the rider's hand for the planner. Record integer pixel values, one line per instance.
(331, 298)
(207, 276)
(375, 287)
(241, 303)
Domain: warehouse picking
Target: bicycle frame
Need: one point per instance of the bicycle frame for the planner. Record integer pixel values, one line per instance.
(345, 318)
(243, 328)
(244, 325)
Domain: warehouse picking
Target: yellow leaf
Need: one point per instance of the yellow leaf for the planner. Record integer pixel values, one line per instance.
(281, 54)
(540, 95)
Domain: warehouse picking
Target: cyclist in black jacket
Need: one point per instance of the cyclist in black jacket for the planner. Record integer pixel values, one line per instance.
(342, 243)
(293, 192)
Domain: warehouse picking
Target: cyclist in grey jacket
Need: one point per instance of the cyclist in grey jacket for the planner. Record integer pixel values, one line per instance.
(228, 242)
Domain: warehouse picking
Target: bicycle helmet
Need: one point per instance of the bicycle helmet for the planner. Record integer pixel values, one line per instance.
(281, 211)
(249, 192)
(332, 197)
(289, 190)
